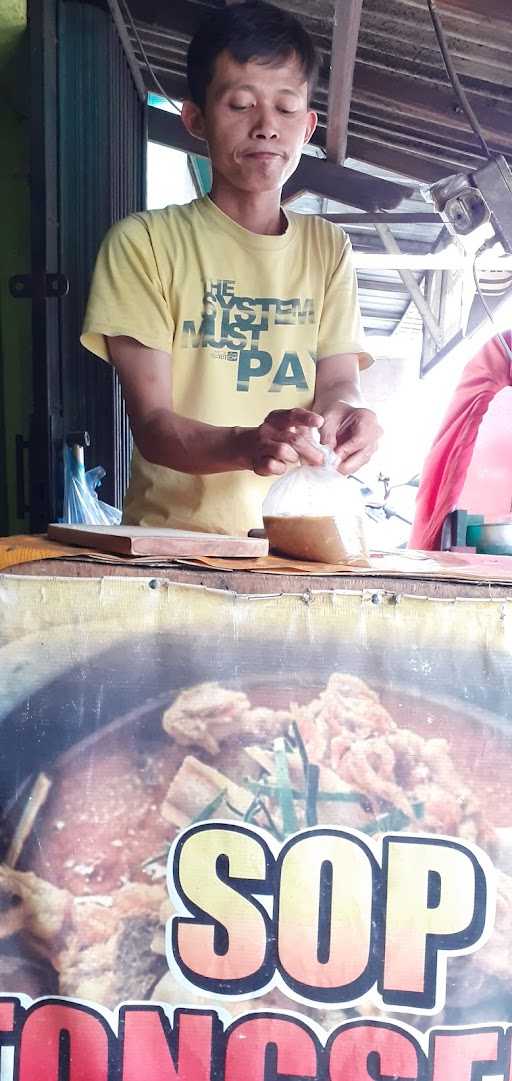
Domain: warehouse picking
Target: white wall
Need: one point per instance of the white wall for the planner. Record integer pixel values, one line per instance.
(168, 177)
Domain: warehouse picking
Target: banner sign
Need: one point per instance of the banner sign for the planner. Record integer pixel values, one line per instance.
(264, 837)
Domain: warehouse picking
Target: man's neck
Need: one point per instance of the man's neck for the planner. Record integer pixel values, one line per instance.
(258, 212)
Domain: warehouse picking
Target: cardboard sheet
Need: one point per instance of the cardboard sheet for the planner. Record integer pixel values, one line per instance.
(451, 566)
(399, 564)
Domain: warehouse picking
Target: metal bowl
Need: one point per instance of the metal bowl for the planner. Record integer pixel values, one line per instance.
(491, 538)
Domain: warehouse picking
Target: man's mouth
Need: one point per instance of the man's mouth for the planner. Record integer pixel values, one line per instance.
(262, 155)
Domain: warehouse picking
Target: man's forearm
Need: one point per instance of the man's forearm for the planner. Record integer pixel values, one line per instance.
(342, 390)
(189, 446)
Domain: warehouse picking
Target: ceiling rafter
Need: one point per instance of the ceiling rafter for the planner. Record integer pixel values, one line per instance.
(347, 20)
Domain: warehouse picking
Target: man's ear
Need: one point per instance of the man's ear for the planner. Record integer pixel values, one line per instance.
(193, 119)
(312, 122)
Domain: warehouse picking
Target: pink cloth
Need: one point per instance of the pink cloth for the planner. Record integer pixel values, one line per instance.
(446, 465)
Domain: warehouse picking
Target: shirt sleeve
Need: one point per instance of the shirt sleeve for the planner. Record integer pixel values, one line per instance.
(341, 329)
(126, 295)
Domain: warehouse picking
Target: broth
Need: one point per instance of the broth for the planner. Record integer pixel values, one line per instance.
(320, 539)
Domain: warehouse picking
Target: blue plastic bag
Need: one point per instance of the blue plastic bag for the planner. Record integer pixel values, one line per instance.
(81, 503)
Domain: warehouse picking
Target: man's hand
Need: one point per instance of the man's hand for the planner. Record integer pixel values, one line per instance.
(282, 440)
(352, 432)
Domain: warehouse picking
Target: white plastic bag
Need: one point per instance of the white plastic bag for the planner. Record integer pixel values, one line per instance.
(315, 513)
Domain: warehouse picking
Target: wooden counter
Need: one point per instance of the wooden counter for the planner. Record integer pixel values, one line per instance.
(247, 582)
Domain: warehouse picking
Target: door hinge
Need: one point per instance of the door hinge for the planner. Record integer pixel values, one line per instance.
(40, 286)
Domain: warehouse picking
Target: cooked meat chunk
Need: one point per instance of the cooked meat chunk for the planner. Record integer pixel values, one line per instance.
(29, 904)
(345, 710)
(114, 970)
(264, 724)
(95, 919)
(205, 715)
(106, 955)
(406, 770)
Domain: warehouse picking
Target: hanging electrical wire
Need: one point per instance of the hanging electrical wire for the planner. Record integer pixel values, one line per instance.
(454, 79)
(146, 58)
(488, 311)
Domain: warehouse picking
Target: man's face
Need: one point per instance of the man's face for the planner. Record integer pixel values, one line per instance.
(255, 121)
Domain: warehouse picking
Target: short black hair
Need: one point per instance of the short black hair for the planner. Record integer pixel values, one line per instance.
(254, 30)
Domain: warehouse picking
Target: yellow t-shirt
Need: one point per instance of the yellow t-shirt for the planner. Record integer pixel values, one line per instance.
(245, 316)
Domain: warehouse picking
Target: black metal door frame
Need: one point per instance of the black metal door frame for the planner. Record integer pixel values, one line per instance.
(67, 392)
(46, 428)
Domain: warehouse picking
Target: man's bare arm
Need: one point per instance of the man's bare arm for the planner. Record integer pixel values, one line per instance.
(350, 428)
(166, 438)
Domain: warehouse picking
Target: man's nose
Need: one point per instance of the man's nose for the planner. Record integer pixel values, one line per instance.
(264, 125)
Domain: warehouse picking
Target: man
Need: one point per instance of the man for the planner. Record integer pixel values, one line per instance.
(234, 326)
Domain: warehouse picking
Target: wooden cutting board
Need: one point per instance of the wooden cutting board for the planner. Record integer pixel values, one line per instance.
(127, 540)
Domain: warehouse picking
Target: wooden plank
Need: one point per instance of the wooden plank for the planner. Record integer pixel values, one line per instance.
(142, 541)
(347, 19)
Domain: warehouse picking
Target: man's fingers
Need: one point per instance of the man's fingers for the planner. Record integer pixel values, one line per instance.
(283, 452)
(309, 453)
(290, 418)
(273, 455)
(330, 433)
(305, 418)
(356, 460)
(362, 433)
(363, 436)
(270, 467)
(291, 444)
(352, 446)
(284, 439)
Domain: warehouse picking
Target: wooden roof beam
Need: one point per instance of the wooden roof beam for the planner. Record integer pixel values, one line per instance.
(347, 20)
(349, 186)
